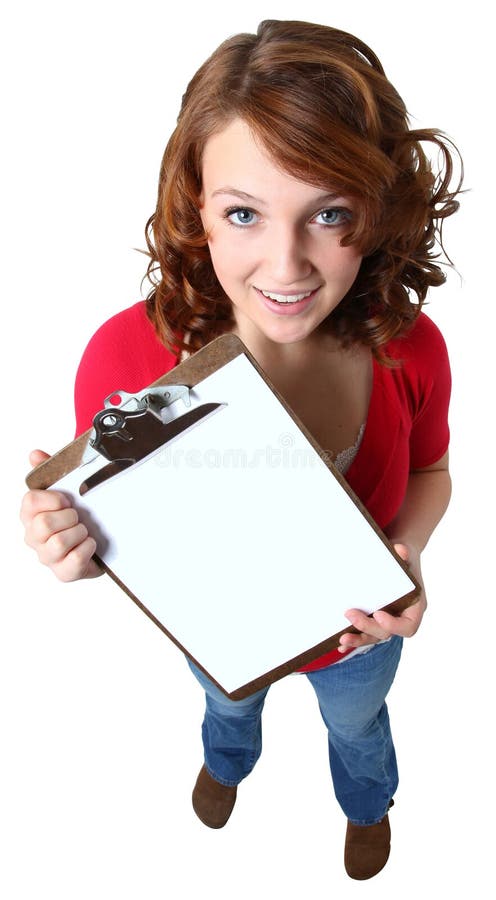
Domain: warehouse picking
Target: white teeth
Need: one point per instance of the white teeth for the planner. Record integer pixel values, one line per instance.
(282, 298)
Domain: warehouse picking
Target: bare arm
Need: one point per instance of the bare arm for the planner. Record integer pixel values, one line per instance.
(426, 500)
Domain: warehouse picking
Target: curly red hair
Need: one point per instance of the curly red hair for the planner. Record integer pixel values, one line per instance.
(319, 101)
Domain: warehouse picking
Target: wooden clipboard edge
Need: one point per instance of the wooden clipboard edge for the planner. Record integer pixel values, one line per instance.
(402, 602)
(191, 371)
(276, 674)
(156, 621)
(293, 665)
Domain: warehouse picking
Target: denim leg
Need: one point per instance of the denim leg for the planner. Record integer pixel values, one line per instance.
(351, 699)
(231, 731)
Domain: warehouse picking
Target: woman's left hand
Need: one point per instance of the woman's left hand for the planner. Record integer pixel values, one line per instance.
(381, 625)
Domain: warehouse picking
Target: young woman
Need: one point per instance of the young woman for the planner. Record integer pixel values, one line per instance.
(298, 210)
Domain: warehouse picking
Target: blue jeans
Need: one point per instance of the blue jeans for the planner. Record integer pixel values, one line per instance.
(351, 697)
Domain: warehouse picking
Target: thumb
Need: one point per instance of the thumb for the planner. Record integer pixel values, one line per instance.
(38, 456)
(403, 551)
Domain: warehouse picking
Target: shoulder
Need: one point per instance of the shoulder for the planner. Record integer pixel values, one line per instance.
(124, 329)
(423, 361)
(423, 344)
(422, 383)
(123, 354)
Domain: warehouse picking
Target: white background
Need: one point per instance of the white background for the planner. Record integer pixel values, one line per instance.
(100, 716)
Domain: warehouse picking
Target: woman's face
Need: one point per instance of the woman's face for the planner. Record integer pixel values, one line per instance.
(274, 241)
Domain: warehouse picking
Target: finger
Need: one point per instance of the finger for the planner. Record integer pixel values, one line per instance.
(35, 502)
(404, 625)
(349, 641)
(365, 624)
(46, 525)
(78, 563)
(38, 456)
(403, 551)
(58, 545)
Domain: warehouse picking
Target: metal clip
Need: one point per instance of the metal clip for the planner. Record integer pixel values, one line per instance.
(124, 437)
(155, 397)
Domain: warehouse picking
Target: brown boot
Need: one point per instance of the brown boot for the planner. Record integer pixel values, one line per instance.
(213, 803)
(367, 848)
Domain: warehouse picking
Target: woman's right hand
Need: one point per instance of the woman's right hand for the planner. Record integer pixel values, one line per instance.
(53, 530)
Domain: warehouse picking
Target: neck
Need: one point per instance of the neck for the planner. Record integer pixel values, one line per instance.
(286, 356)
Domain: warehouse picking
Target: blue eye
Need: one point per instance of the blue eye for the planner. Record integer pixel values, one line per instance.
(240, 216)
(333, 216)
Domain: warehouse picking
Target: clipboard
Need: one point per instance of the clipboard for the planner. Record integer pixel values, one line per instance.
(218, 513)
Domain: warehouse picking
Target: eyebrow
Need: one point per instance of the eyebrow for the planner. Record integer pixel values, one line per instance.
(234, 192)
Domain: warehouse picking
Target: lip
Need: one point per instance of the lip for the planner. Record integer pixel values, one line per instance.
(287, 309)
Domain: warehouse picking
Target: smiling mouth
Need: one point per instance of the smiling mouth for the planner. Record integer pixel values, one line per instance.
(287, 298)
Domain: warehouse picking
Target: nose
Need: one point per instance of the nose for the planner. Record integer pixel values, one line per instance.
(287, 260)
